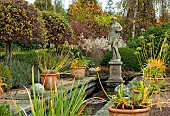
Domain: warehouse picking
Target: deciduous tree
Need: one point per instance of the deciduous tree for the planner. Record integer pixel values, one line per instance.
(20, 22)
(58, 28)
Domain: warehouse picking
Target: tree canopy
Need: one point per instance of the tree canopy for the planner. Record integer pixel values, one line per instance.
(58, 28)
(44, 5)
(84, 10)
(20, 22)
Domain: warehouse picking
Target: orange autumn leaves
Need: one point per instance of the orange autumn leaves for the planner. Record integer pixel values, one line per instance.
(84, 11)
(155, 68)
(2, 84)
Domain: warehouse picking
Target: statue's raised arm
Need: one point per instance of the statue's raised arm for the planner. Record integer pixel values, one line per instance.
(113, 38)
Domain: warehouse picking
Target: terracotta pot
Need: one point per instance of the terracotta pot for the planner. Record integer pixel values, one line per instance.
(78, 73)
(135, 112)
(50, 78)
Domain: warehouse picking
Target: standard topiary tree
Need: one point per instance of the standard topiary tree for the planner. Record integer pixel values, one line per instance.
(58, 28)
(20, 23)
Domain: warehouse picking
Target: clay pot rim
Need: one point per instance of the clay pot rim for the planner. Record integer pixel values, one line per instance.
(50, 74)
(81, 67)
(128, 111)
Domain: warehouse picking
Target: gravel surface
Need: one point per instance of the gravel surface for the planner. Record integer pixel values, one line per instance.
(165, 109)
(156, 112)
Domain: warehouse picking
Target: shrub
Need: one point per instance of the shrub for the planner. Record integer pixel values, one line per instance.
(25, 47)
(153, 38)
(129, 59)
(21, 67)
(107, 58)
(5, 110)
(29, 57)
(58, 28)
(6, 77)
(88, 18)
(21, 73)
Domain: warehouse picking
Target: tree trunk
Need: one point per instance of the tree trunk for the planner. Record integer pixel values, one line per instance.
(134, 19)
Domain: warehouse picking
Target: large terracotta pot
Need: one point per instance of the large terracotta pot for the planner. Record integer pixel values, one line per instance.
(135, 112)
(78, 72)
(50, 78)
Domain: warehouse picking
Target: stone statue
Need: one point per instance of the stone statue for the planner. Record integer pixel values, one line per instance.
(113, 38)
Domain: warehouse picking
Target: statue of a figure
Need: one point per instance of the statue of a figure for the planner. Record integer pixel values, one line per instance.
(113, 38)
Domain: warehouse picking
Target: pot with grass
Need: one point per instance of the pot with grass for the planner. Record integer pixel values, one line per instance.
(51, 64)
(127, 104)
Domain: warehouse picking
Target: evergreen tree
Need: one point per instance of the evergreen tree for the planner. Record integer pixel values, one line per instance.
(59, 8)
(109, 7)
(43, 5)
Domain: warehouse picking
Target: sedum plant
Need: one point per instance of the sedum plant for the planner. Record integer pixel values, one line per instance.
(79, 63)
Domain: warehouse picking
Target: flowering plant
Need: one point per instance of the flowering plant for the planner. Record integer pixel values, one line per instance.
(79, 62)
(155, 69)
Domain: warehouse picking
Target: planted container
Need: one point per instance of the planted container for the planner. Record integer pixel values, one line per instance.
(78, 68)
(78, 73)
(125, 112)
(50, 79)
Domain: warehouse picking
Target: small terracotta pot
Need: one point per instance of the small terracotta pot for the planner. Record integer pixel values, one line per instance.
(50, 78)
(78, 72)
(135, 112)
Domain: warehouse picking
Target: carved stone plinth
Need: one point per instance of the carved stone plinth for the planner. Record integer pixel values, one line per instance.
(115, 73)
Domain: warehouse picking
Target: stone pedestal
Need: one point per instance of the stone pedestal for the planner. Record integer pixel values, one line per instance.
(115, 73)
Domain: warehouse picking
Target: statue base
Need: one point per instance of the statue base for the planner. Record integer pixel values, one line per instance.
(115, 73)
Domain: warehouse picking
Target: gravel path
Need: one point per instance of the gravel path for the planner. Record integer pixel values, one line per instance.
(156, 112)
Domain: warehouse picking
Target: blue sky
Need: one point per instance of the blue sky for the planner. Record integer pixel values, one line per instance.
(67, 2)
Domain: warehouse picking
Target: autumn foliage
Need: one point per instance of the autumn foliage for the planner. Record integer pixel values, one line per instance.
(84, 10)
(20, 22)
(86, 17)
(58, 28)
